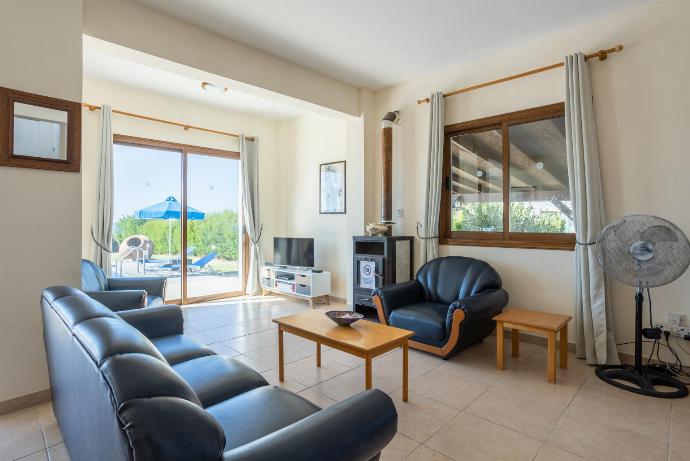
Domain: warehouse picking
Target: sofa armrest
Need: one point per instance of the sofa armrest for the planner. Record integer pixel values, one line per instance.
(400, 294)
(121, 299)
(154, 286)
(156, 321)
(486, 304)
(356, 429)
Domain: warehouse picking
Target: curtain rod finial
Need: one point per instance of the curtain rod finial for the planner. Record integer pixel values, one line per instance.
(423, 100)
(619, 48)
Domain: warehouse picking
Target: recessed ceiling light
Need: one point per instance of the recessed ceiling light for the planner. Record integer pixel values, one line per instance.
(210, 87)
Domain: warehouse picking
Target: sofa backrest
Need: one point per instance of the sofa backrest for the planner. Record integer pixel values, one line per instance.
(92, 277)
(450, 278)
(114, 395)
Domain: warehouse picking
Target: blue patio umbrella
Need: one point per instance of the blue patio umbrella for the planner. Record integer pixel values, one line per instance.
(168, 209)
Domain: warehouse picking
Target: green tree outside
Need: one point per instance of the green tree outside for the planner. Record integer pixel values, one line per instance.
(488, 217)
(217, 232)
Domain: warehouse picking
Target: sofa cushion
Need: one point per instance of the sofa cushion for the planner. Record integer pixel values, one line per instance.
(153, 301)
(180, 348)
(215, 378)
(427, 320)
(259, 412)
(105, 337)
(78, 308)
(161, 380)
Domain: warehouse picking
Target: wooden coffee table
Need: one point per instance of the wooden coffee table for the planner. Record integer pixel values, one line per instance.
(535, 322)
(363, 339)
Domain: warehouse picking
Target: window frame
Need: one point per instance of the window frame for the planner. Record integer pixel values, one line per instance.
(505, 238)
(184, 150)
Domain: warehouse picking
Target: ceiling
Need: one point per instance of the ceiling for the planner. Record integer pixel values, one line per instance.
(111, 62)
(378, 43)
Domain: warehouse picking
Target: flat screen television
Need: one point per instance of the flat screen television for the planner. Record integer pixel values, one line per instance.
(293, 251)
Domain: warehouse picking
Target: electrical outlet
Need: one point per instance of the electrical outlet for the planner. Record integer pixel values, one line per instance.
(675, 330)
(676, 318)
(399, 213)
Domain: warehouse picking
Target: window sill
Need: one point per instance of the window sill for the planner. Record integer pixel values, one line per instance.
(540, 245)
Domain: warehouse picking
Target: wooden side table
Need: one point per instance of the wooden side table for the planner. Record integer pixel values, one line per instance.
(535, 322)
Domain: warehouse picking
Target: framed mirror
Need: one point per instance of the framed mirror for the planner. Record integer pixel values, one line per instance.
(39, 131)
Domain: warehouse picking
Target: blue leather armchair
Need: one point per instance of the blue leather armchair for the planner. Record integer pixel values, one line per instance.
(121, 293)
(449, 305)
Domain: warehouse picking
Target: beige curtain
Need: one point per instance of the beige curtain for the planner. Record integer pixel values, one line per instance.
(102, 225)
(249, 159)
(595, 340)
(434, 169)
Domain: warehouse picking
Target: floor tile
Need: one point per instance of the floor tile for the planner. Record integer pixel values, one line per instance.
(349, 360)
(38, 456)
(254, 341)
(223, 349)
(272, 377)
(317, 398)
(448, 388)
(550, 452)
(389, 366)
(577, 432)
(679, 442)
(306, 372)
(473, 368)
(58, 453)
(606, 403)
(470, 438)
(20, 434)
(420, 417)
(536, 387)
(49, 425)
(424, 453)
(399, 448)
(351, 383)
(528, 416)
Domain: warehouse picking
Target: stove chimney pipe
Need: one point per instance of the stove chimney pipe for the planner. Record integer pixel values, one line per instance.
(387, 169)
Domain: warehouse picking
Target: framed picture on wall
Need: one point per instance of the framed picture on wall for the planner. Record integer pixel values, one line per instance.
(332, 188)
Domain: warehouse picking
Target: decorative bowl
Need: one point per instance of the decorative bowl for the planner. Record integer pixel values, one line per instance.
(376, 229)
(344, 318)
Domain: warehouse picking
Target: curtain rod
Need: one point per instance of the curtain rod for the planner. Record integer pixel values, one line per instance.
(185, 126)
(601, 54)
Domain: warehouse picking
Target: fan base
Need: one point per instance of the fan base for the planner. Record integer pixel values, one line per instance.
(628, 378)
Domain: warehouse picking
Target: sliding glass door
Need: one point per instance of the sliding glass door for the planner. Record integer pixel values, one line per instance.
(177, 215)
(215, 242)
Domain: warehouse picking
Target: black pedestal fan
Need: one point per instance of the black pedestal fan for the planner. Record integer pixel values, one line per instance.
(645, 252)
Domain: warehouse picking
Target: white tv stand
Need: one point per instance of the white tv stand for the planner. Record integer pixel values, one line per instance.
(298, 282)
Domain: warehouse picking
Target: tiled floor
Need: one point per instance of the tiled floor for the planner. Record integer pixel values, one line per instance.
(460, 409)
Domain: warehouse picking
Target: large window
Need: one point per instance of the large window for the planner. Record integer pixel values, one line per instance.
(506, 181)
(177, 215)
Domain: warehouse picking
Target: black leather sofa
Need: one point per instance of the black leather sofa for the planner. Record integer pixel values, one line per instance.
(131, 386)
(449, 305)
(121, 293)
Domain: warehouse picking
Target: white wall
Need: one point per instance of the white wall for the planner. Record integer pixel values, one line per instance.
(642, 101)
(40, 218)
(131, 99)
(306, 142)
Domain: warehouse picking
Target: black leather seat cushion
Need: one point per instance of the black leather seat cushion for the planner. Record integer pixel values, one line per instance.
(216, 378)
(180, 348)
(260, 412)
(153, 301)
(426, 319)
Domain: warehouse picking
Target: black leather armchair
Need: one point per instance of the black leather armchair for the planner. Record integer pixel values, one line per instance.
(120, 293)
(449, 305)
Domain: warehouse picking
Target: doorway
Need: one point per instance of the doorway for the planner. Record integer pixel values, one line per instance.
(177, 214)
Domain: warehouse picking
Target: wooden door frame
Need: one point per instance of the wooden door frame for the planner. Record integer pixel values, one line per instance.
(185, 150)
